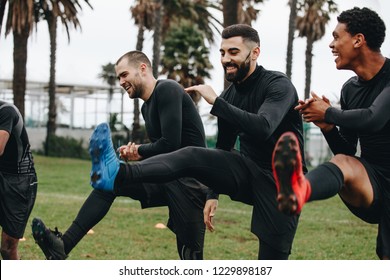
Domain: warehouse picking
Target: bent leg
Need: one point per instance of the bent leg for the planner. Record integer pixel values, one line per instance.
(357, 190)
(220, 170)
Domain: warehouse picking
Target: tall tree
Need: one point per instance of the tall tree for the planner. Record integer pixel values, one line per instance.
(108, 76)
(186, 56)
(3, 3)
(291, 32)
(20, 20)
(177, 27)
(52, 11)
(239, 11)
(143, 15)
(157, 36)
(313, 15)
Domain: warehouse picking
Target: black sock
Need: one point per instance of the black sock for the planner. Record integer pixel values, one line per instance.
(123, 178)
(326, 180)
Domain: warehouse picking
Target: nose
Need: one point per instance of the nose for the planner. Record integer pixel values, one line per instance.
(331, 44)
(225, 58)
(121, 81)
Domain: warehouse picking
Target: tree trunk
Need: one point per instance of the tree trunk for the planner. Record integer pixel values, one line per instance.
(230, 17)
(136, 127)
(157, 37)
(308, 65)
(230, 12)
(20, 67)
(2, 10)
(290, 40)
(52, 115)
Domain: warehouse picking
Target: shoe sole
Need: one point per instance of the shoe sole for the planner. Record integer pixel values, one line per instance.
(285, 160)
(39, 232)
(100, 140)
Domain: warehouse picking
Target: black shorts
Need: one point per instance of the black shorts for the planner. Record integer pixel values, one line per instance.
(268, 223)
(17, 198)
(379, 211)
(185, 206)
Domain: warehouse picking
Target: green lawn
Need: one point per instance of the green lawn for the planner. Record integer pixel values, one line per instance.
(327, 229)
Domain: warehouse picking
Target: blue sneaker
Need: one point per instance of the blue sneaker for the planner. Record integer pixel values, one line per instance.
(105, 164)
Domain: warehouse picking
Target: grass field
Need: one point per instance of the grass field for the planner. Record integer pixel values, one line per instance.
(327, 229)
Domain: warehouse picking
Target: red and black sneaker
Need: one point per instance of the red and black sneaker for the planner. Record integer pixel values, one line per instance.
(292, 186)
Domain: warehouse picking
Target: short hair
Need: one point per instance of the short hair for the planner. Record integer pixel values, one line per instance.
(367, 22)
(245, 31)
(135, 57)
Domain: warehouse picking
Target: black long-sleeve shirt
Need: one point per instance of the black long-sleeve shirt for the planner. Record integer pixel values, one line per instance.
(364, 116)
(172, 122)
(258, 111)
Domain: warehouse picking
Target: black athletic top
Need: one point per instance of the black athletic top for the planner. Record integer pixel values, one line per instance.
(17, 158)
(364, 116)
(171, 119)
(258, 111)
(172, 122)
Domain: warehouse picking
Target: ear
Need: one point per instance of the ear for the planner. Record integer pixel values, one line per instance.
(143, 67)
(359, 40)
(256, 53)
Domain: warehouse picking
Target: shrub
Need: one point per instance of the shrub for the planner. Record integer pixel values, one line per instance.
(60, 146)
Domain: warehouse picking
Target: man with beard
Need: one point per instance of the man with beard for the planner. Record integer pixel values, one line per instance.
(172, 122)
(256, 108)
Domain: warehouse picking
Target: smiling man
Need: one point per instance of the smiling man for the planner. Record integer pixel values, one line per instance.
(363, 182)
(171, 122)
(256, 109)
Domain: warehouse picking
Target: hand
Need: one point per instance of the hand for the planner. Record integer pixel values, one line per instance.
(302, 104)
(314, 109)
(208, 213)
(129, 152)
(205, 91)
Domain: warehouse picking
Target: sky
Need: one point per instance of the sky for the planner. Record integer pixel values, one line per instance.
(108, 31)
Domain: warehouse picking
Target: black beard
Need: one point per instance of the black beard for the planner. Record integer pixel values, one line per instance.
(242, 71)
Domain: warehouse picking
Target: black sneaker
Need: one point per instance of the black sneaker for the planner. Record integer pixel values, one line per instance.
(48, 240)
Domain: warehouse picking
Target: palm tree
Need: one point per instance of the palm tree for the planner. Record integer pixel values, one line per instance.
(177, 27)
(239, 11)
(311, 24)
(20, 20)
(108, 75)
(186, 55)
(143, 14)
(157, 36)
(51, 11)
(168, 11)
(290, 40)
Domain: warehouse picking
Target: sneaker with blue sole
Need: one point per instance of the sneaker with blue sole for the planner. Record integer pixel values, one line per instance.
(105, 164)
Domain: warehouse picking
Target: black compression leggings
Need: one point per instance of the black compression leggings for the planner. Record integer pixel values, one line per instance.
(224, 172)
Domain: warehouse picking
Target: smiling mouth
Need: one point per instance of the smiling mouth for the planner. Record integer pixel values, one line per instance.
(128, 87)
(231, 69)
